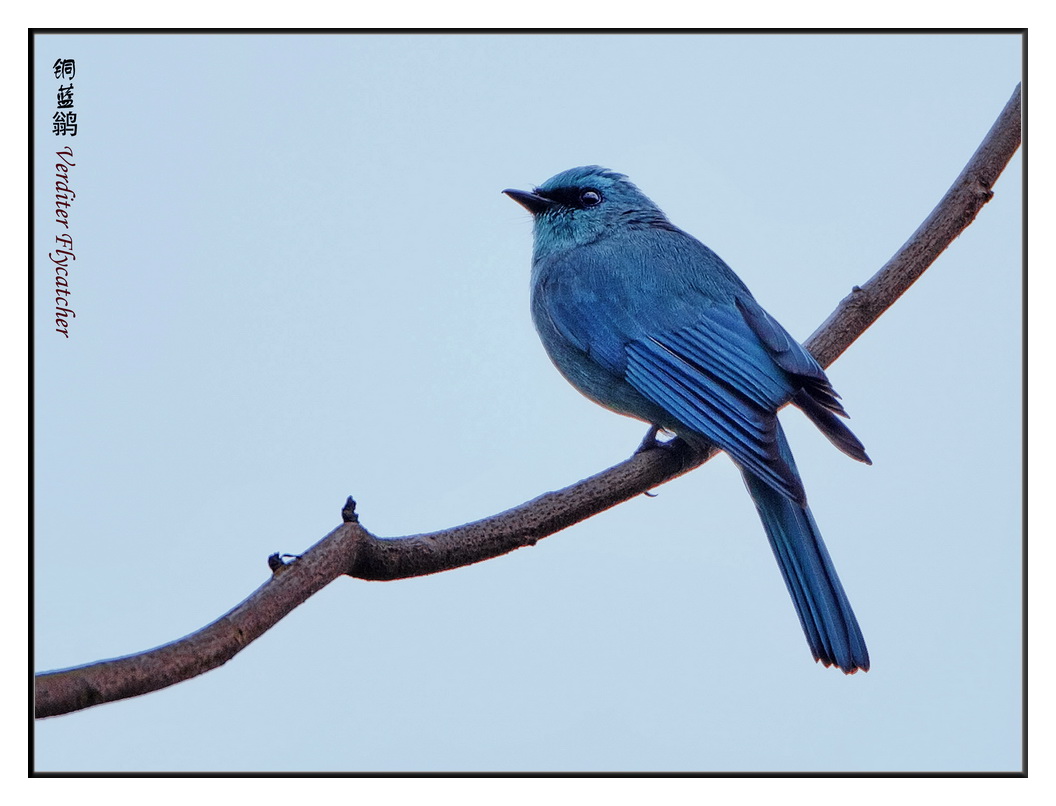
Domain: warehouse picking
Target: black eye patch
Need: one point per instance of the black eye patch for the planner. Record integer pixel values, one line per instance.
(576, 197)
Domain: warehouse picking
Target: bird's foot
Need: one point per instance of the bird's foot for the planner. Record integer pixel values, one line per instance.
(651, 443)
(689, 453)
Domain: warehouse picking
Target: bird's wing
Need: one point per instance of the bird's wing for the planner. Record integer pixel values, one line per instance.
(814, 394)
(790, 355)
(708, 355)
(719, 379)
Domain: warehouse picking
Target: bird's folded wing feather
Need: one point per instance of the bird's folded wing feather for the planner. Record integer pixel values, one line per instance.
(814, 394)
(718, 379)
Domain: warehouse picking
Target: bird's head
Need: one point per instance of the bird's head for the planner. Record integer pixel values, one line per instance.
(582, 205)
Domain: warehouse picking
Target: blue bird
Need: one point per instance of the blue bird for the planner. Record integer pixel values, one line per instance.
(646, 320)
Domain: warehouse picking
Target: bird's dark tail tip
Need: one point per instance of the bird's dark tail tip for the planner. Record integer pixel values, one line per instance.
(848, 669)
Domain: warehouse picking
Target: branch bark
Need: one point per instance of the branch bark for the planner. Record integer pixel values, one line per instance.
(353, 551)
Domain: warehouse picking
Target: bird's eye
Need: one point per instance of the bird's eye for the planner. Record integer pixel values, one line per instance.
(590, 198)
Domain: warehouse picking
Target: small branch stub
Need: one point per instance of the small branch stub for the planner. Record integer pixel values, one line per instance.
(348, 511)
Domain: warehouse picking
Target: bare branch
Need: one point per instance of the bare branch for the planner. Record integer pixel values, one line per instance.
(352, 550)
(958, 208)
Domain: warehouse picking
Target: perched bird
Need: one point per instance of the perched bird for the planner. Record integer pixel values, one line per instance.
(646, 320)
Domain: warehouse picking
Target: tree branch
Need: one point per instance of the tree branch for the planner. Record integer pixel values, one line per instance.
(353, 551)
(958, 208)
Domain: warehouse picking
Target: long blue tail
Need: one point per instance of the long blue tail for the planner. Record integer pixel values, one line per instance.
(828, 621)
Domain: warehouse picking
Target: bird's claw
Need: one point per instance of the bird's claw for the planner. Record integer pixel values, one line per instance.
(650, 442)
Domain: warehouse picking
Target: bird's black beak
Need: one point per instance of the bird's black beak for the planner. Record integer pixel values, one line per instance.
(532, 202)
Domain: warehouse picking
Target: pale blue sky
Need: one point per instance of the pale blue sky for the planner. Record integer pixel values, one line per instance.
(297, 279)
